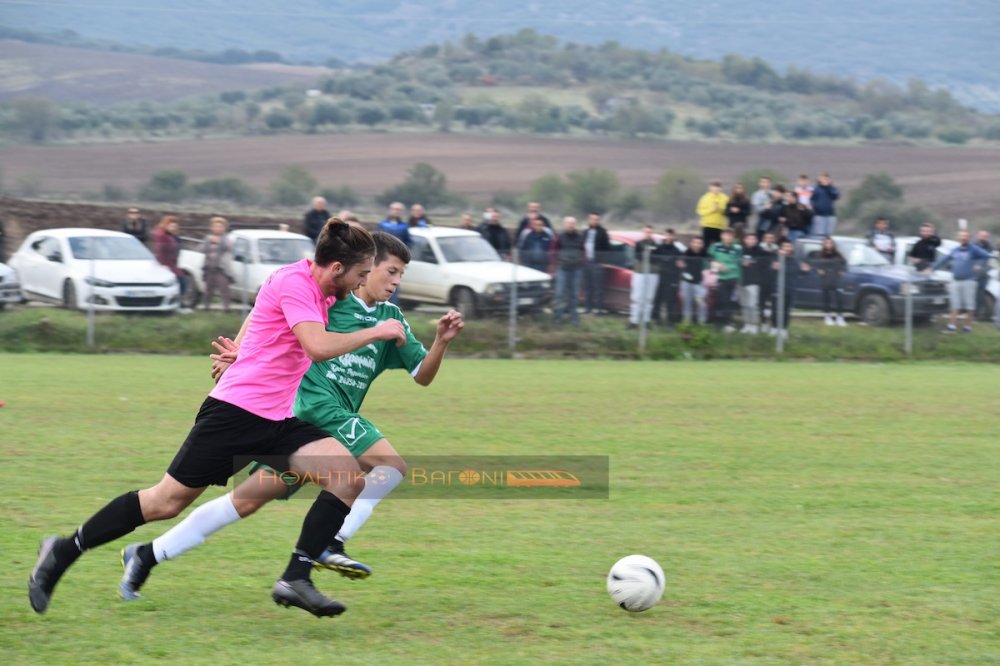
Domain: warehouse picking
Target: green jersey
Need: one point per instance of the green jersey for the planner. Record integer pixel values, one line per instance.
(340, 384)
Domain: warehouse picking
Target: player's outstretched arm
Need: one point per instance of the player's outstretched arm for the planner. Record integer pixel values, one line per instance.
(322, 345)
(448, 328)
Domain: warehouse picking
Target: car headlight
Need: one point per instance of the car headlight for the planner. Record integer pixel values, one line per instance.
(493, 289)
(909, 287)
(95, 282)
(169, 283)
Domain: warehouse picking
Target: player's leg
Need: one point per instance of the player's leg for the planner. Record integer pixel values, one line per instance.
(139, 559)
(329, 464)
(385, 470)
(119, 517)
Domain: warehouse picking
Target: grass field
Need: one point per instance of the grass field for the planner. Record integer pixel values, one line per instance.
(803, 513)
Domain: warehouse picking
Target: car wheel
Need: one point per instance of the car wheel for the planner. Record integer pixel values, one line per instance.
(464, 300)
(69, 295)
(874, 310)
(987, 309)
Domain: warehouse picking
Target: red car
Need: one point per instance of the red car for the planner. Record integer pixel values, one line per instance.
(618, 268)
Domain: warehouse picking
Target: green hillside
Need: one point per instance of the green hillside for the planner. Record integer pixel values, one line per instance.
(950, 44)
(532, 83)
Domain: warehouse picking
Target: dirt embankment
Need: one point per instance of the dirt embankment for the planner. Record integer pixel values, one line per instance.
(20, 217)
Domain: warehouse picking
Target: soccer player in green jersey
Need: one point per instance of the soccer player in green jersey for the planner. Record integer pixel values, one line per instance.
(329, 397)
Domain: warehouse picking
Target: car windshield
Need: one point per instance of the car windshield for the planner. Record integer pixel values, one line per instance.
(467, 248)
(114, 248)
(284, 250)
(858, 253)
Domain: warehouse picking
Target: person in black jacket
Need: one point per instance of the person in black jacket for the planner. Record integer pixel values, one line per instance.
(597, 245)
(756, 264)
(496, 235)
(924, 251)
(568, 249)
(134, 225)
(665, 256)
(830, 267)
(781, 317)
(314, 220)
(692, 265)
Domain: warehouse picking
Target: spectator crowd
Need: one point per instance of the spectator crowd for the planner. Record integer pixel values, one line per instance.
(740, 273)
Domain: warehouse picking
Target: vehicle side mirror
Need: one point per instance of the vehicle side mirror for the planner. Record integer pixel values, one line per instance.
(56, 257)
(240, 258)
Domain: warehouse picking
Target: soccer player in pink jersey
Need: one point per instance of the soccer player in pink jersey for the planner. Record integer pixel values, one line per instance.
(248, 414)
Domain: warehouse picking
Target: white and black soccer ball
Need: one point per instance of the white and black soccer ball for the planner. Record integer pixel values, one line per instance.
(636, 583)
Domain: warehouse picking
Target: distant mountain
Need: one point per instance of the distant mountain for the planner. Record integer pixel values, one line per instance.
(951, 44)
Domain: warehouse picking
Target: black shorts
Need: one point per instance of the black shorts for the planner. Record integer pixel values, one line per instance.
(225, 438)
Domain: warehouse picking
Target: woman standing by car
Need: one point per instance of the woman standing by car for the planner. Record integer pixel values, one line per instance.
(217, 270)
(830, 265)
(167, 247)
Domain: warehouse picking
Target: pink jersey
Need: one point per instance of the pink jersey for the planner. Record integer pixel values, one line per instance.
(271, 362)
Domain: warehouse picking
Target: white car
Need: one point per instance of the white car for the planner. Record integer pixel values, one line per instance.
(458, 267)
(988, 310)
(80, 268)
(10, 286)
(256, 253)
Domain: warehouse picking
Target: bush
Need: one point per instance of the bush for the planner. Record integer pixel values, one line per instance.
(873, 187)
(325, 113)
(592, 190)
(278, 119)
(628, 204)
(112, 192)
(228, 189)
(233, 96)
(676, 194)
(956, 135)
(370, 113)
(168, 186)
(424, 184)
(294, 187)
(549, 191)
(341, 197)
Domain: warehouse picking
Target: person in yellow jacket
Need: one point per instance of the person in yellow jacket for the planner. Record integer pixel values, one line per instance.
(712, 210)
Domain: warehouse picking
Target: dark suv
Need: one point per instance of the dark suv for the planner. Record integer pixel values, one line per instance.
(873, 288)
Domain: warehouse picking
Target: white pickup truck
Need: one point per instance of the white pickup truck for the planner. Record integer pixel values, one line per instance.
(256, 254)
(459, 268)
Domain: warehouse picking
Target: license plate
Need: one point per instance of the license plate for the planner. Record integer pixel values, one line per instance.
(939, 301)
(139, 293)
(525, 301)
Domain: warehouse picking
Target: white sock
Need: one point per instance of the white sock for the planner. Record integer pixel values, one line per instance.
(378, 483)
(191, 532)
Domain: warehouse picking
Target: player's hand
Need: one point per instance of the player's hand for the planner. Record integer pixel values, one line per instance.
(449, 326)
(219, 367)
(391, 329)
(227, 350)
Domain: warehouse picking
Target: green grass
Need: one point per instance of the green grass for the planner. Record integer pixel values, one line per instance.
(803, 513)
(51, 329)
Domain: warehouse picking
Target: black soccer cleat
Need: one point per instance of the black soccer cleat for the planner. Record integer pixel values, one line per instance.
(335, 559)
(47, 572)
(135, 573)
(303, 594)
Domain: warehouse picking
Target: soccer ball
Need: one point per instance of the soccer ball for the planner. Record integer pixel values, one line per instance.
(636, 583)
